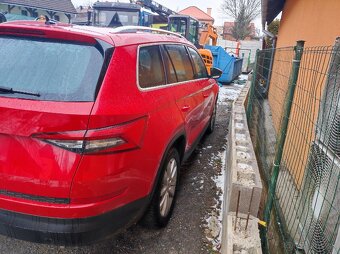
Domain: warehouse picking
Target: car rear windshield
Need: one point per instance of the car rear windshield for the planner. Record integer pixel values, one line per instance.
(53, 70)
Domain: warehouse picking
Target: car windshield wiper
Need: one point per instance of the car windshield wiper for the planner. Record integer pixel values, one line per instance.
(13, 91)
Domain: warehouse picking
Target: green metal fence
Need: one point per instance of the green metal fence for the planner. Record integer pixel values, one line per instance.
(294, 119)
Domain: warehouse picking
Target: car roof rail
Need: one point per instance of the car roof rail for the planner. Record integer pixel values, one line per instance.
(135, 29)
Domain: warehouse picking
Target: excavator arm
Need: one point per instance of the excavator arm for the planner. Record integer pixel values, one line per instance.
(207, 33)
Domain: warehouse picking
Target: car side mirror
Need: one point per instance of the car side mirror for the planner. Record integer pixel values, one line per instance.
(215, 73)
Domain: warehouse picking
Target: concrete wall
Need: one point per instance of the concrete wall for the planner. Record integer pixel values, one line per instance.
(242, 180)
(247, 47)
(17, 10)
(252, 45)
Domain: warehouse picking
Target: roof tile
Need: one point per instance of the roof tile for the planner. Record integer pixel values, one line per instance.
(196, 13)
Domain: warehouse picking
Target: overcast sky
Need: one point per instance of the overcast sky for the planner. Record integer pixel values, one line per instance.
(181, 4)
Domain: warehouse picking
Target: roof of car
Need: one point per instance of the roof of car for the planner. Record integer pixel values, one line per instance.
(118, 36)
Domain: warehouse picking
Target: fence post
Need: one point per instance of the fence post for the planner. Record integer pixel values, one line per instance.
(285, 121)
(248, 61)
(252, 89)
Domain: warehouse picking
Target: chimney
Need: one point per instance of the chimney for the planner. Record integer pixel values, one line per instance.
(209, 11)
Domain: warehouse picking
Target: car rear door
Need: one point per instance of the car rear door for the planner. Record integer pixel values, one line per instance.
(187, 91)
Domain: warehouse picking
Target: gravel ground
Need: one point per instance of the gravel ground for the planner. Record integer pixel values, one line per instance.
(197, 201)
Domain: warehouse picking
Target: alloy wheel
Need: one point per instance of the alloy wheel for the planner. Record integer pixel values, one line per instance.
(168, 187)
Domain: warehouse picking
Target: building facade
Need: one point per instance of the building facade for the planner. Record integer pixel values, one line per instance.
(61, 10)
(228, 31)
(315, 22)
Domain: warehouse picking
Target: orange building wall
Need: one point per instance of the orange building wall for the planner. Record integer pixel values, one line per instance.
(317, 22)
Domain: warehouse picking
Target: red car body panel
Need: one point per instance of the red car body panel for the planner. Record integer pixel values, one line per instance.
(28, 165)
(132, 171)
(33, 172)
(192, 104)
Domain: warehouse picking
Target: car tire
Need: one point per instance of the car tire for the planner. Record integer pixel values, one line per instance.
(162, 204)
(212, 121)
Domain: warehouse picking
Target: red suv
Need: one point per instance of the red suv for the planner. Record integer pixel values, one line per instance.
(94, 125)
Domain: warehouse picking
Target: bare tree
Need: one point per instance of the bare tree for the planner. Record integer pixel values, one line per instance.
(243, 12)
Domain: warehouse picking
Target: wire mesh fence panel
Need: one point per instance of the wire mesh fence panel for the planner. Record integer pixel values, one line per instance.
(306, 194)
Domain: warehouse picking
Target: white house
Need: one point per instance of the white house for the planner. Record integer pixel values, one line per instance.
(61, 10)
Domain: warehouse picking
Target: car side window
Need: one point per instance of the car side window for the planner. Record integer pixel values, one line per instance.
(169, 67)
(201, 70)
(150, 67)
(181, 61)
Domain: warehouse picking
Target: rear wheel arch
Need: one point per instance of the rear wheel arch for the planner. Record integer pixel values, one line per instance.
(162, 200)
(179, 144)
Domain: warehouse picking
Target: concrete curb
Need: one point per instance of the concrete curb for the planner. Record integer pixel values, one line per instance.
(242, 178)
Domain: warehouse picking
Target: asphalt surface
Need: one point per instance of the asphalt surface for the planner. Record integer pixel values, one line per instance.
(186, 232)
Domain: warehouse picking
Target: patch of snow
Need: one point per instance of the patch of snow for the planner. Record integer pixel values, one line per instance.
(228, 93)
(243, 77)
(231, 92)
(213, 221)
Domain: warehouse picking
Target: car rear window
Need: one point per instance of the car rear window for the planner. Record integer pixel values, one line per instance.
(150, 67)
(56, 70)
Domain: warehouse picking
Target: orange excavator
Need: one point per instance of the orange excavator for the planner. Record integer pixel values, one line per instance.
(208, 34)
(190, 28)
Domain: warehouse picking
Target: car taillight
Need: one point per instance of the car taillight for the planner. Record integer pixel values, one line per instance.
(71, 145)
(120, 137)
(87, 146)
(97, 145)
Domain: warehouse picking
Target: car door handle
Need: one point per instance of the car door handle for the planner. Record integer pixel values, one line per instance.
(205, 95)
(185, 108)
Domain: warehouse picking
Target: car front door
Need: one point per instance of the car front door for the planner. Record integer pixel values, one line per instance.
(206, 86)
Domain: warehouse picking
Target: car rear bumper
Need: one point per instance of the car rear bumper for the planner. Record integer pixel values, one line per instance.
(75, 231)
